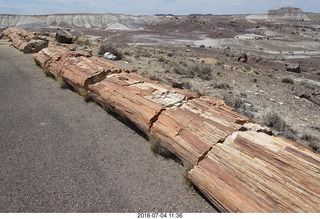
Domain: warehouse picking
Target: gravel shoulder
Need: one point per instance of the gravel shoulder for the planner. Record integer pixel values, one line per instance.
(61, 154)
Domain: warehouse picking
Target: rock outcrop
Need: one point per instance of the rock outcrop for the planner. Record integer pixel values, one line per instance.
(288, 13)
(63, 36)
(285, 13)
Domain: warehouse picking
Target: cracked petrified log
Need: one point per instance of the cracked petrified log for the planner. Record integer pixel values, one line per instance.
(137, 98)
(256, 172)
(77, 68)
(27, 42)
(79, 72)
(191, 130)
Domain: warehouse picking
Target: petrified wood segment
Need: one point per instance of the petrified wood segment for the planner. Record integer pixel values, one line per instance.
(81, 71)
(192, 129)
(77, 68)
(136, 98)
(256, 172)
(27, 42)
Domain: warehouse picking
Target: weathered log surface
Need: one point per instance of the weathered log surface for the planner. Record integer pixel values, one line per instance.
(256, 172)
(191, 130)
(27, 42)
(77, 68)
(137, 98)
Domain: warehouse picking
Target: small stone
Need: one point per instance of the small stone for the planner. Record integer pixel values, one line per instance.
(281, 103)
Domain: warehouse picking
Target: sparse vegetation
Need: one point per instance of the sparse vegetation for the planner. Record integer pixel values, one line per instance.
(84, 93)
(309, 85)
(315, 146)
(159, 149)
(192, 69)
(161, 59)
(82, 41)
(62, 83)
(222, 85)
(274, 121)
(308, 137)
(287, 80)
(239, 104)
(47, 73)
(111, 49)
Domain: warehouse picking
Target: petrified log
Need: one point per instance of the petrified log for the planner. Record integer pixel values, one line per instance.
(53, 58)
(25, 41)
(191, 130)
(256, 172)
(82, 71)
(137, 98)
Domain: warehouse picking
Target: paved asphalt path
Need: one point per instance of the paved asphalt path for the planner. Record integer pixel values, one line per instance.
(61, 154)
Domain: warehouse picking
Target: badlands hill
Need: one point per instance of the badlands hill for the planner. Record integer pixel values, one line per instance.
(124, 22)
(106, 21)
(285, 13)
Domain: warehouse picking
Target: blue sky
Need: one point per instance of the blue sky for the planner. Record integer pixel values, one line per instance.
(150, 7)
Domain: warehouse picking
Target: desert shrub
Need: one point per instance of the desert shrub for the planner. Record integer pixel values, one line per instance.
(82, 42)
(308, 137)
(287, 80)
(161, 59)
(239, 104)
(111, 49)
(170, 54)
(224, 86)
(192, 69)
(274, 121)
(158, 149)
(187, 85)
(233, 102)
(140, 52)
(288, 133)
(309, 85)
(203, 71)
(315, 146)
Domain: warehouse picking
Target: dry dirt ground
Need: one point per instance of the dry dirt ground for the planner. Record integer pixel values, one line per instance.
(202, 53)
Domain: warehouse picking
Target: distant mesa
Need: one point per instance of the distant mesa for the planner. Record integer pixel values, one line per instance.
(284, 13)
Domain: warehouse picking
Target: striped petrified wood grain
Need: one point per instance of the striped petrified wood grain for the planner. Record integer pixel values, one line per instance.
(139, 99)
(191, 130)
(256, 172)
(82, 71)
